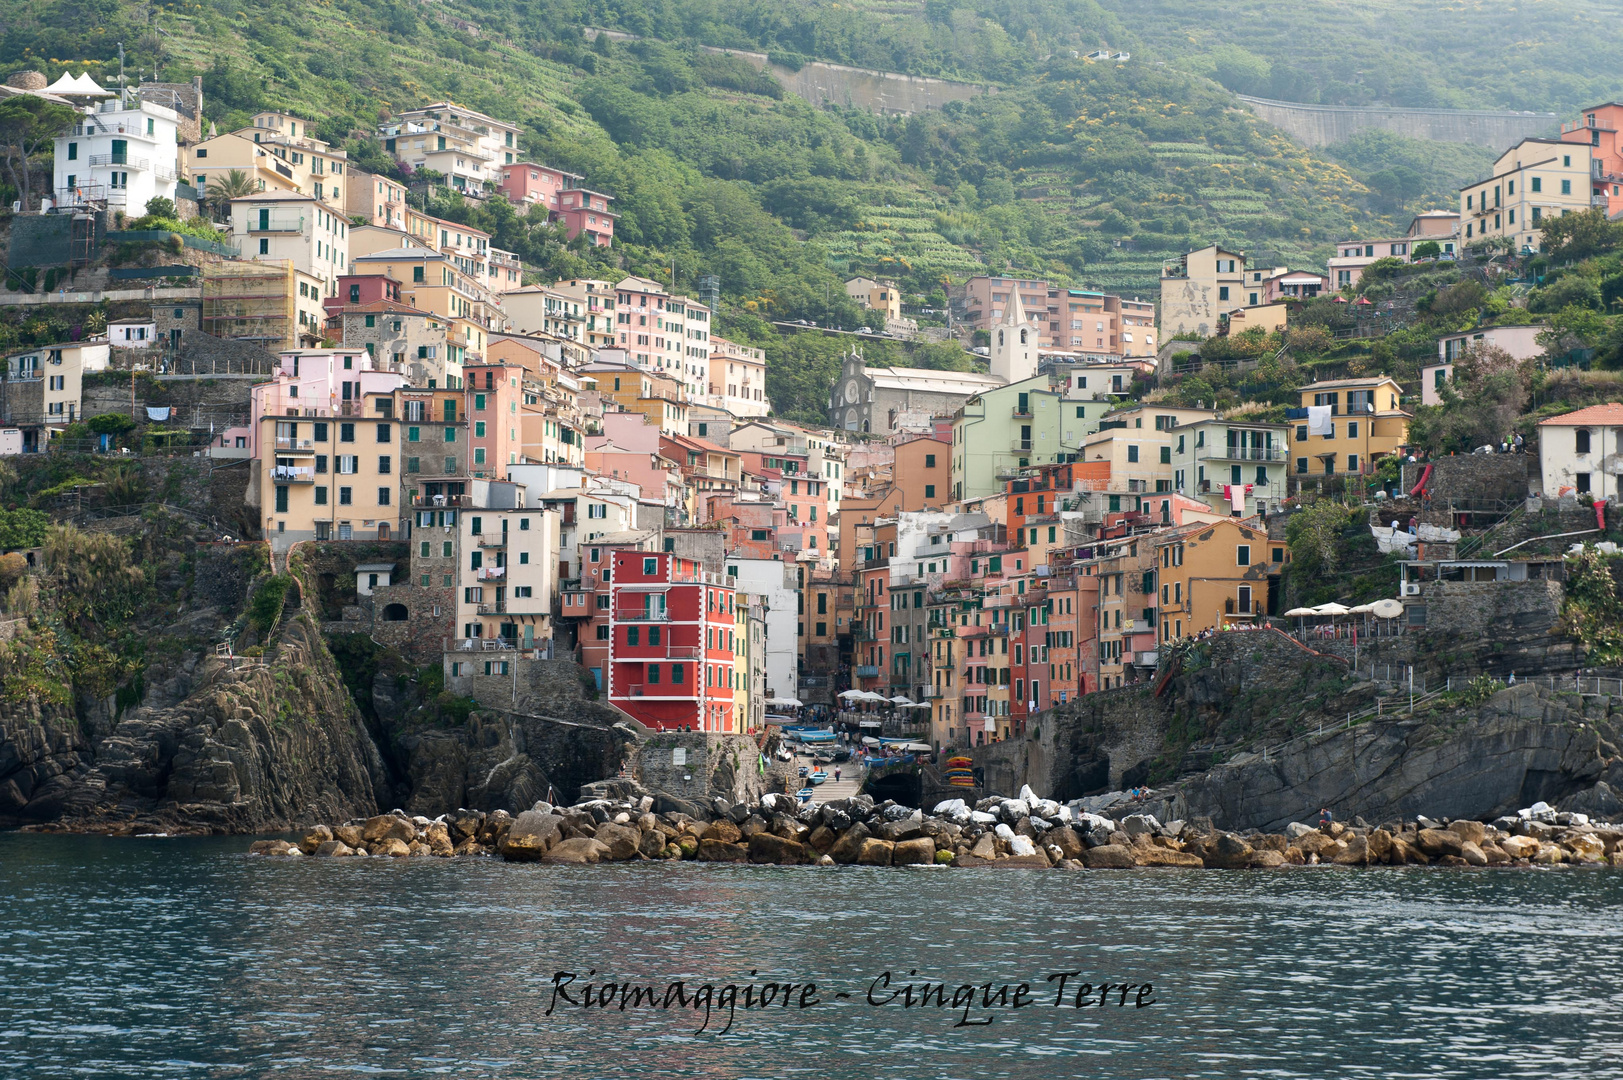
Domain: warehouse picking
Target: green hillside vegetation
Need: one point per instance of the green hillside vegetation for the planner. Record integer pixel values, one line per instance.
(1088, 173)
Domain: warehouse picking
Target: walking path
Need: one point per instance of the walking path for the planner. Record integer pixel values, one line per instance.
(849, 783)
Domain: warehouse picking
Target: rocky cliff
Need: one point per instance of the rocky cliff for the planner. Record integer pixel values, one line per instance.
(1252, 731)
(119, 714)
(1521, 746)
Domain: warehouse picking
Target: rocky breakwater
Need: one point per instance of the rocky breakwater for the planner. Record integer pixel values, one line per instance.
(996, 832)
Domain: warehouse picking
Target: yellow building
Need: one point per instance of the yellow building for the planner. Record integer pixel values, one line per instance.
(741, 662)
(1350, 425)
(879, 296)
(1198, 289)
(1533, 180)
(657, 397)
(1214, 575)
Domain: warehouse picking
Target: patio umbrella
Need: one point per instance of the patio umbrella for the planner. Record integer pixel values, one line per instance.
(793, 703)
(1300, 613)
(901, 699)
(854, 695)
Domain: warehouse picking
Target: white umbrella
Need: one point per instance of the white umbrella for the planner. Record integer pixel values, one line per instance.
(901, 699)
(1300, 613)
(918, 705)
(790, 702)
(869, 695)
(855, 695)
(1331, 609)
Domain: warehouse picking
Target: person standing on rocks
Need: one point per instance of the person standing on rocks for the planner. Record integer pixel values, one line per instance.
(1325, 818)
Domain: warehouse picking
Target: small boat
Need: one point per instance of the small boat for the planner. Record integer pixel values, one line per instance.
(818, 777)
(804, 794)
(805, 771)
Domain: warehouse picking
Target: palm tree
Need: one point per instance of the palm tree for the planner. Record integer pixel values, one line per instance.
(233, 185)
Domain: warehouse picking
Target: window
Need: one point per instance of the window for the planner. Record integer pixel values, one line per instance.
(346, 496)
(1538, 185)
(1580, 441)
(1222, 292)
(1132, 453)
(383, 496)
(676, 674)
(653, 674)
(1566, 187)
(929, 461)
(417, 275)
(385, 464)
(479, 402)
(929, 491)
(281, 499)
(650, 566)
(346, 432)
(603, 632)
(346, 464)
(1352, 429)
(633, 636)
(445, 549)
(1166, 455)
(1242, 555)
(1579, 481)
(321, 496)
(479, 429)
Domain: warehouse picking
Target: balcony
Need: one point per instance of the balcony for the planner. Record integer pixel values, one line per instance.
(1021, 413)
(679, 692)
(293, 474)
(487, 541)
(498, 608)
(124, 161)
(659, 615)
(295, 446)
(867, 671)
(289, 225)
(478, 645)
(1246, 453)
(492, 573)
(465, 501)
(1020, 446)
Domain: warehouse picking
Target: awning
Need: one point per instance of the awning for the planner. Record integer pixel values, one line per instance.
(788, 702)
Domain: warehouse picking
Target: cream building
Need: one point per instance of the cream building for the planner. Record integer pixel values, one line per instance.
(1533, 180)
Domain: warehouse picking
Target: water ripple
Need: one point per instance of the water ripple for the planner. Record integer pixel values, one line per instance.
(184, 958)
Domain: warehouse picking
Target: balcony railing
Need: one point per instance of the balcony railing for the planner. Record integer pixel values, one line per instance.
(442, 500)
(125, 161)
(497, 608)
(1247, 453)
(293, 474)
(867, 671)
(488, 540)
(478, 645)
(1021, 445)
(642, 616)
(492, 573)
(295, 445)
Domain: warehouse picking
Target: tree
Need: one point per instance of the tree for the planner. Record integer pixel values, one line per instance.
(1427, 249)
(160, 207)
(233, 185)
(1581, 235)
(28, 126)
(22, 528)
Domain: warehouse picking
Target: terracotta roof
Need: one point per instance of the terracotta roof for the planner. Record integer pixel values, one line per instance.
(1598, 415)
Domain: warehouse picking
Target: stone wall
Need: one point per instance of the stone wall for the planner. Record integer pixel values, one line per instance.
(1486, 609)
(1475, 476)
(725, 765)
(1324, 125)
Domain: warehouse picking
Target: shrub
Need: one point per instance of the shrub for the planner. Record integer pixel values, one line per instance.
(22, 528)
(266, 606)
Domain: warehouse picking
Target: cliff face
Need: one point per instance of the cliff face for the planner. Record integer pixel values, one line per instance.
(1198, 743)
(1521, 746)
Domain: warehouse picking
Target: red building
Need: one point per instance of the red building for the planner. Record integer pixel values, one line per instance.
(671, 626)
(526, 182)
(357, 289)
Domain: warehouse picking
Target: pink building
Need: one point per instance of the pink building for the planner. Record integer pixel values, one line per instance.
(525, 182)
(355, 289)
(584, 211)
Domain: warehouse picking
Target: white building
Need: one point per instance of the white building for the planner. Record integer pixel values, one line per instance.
(120, 152)
(132, 333)
(1581, 453)
(1520, 342)
(295, 227)
(774, 582)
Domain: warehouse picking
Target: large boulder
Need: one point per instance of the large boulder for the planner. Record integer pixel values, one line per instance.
(765, 847)
(314, 839)
(1438, 842)
(531, 835)
(822, 839)
(1140, 825)
(273, 847)
(1267, 859)
(711, 850)
(1155, 855)
(1227, 852)
(1110, 857)
(438, 839)
(1356, 853)
(1585, 847)
(334, 849)
(623, 841)
(918, 851)
(849, 846)
(577, 849)
(1473, 832)
(1519, 847)
(1065, 838)
(985, 847)
(392, 847)
(875, 852)
(388, 827)
(723, 830)
(1473, 854)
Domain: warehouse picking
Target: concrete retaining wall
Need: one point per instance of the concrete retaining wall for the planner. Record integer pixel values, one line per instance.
(1322, 125)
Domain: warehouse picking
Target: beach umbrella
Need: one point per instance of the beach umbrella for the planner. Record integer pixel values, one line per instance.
(1330, 609)
(854, 695)
(901, 699)
(793, 703)
(1300, 612)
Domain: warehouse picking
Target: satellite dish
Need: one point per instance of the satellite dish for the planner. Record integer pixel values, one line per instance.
(1386, 609)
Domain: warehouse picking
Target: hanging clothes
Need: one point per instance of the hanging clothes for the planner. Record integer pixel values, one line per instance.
(158, 413)
(1318, 419)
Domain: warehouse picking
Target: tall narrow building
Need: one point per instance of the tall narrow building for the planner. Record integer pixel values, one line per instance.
(1014, 343)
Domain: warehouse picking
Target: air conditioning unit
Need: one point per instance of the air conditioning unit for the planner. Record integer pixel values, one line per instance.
(1411, 588)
